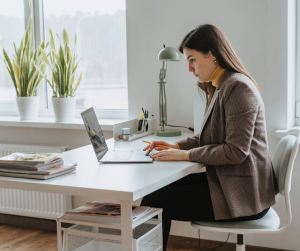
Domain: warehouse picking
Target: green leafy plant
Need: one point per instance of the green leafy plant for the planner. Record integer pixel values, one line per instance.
(63, 66)
(28, 67)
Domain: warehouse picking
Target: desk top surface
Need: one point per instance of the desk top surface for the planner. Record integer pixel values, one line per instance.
(129, 181)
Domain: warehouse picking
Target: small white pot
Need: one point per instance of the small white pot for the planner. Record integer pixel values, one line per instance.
(64, 109)
(28, 107)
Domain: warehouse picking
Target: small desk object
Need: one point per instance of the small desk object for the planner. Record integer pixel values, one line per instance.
(124, 182)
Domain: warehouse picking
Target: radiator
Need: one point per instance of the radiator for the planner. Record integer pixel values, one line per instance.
(29, 203)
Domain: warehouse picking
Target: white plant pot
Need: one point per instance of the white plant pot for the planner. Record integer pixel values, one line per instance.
(28, 107)
(64, 109)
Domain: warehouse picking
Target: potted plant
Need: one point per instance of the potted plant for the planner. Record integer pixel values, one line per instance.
(63, 66)
(27, 70)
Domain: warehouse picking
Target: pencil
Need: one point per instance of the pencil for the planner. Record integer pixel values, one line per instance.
(157, 145)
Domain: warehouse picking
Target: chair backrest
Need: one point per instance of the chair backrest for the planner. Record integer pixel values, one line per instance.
(283, 160)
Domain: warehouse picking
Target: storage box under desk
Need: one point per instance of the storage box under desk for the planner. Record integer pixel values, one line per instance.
(103, 235)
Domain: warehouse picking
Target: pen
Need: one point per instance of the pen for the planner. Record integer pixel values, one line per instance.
(157, 145)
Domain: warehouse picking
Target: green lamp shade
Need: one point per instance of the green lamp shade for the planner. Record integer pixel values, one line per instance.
(169, 54)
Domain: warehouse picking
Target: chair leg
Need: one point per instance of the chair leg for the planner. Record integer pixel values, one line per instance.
(240, 246)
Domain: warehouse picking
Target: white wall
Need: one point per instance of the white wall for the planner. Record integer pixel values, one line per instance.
(256, 29)
(258, 32)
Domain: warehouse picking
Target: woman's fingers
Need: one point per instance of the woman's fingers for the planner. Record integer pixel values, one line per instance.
(159, 154)
(150, 147)
(158, 148)
(154, 145)
(149, 150)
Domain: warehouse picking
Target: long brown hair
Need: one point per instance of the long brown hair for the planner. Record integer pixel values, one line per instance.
(207, 38)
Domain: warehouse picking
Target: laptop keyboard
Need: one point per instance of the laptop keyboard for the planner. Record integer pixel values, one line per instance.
(121, 155)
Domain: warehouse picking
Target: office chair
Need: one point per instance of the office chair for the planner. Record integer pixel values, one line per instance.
(283, 162)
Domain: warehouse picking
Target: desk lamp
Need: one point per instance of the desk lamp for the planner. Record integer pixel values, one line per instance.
(166, 54)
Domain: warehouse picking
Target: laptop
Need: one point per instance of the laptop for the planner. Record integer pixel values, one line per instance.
(103, 154)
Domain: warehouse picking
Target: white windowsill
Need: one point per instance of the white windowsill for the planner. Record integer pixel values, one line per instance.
(45, 122)
(280, 133)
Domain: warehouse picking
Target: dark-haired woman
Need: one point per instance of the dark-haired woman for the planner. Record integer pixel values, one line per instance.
(239, 182)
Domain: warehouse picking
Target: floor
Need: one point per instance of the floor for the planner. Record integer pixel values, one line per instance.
(178, 243)
(14, 238)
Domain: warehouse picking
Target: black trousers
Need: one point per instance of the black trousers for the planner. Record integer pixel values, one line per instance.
(187, 199)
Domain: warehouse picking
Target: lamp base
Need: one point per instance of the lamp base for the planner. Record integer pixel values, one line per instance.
(168, 133)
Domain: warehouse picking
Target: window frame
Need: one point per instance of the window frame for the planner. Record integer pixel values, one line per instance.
(297, 84)
(9, 108)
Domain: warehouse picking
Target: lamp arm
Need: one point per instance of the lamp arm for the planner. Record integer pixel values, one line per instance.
(165, 107)
(160, 104)
(162, 98)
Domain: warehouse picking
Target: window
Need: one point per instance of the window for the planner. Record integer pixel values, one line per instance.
(10, 33)
(101, 47)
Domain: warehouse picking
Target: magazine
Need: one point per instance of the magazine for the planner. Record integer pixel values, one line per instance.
(34, 158)
(105, 211)
(31, 166)
(47, 170)
(37, 176)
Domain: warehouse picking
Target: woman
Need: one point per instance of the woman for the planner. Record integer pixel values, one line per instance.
(239, 183)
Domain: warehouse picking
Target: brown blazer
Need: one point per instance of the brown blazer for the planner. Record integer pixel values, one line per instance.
(232, 143)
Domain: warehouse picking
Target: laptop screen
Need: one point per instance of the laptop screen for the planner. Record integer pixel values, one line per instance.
(95, 133)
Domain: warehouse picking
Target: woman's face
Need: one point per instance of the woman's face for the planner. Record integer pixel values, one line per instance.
(201, 65)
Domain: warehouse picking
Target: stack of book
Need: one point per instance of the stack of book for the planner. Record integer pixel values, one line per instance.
(34, 165)
(103, 212)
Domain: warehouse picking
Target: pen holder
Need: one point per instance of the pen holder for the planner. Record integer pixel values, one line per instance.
(143, 125)
(135, 125)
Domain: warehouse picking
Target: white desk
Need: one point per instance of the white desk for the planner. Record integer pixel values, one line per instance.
(123, 182)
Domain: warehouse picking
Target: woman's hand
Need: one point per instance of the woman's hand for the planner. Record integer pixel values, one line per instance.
(154, 145)
(170, 154)
(174, 153)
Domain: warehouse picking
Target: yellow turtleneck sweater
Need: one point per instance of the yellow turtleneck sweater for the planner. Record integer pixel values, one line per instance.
(217, 75)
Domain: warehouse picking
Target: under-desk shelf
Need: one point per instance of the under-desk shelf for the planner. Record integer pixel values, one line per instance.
(95, 233)
(110, 223)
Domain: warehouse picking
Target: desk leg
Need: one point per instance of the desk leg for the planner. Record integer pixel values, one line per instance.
(59, 238)
(126, 225)
(161, 233)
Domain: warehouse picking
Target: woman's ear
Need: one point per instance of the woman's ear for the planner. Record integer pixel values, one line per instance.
(212, 54)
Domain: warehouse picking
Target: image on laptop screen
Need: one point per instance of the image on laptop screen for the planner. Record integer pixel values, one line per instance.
(95, 133)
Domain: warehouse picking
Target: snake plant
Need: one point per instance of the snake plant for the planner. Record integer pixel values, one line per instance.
(63, 66)
(28, 67)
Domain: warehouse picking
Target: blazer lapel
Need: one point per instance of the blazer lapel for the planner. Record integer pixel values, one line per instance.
(208, 111)
(213, 100)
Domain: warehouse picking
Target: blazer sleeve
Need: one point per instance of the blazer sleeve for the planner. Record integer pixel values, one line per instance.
(241, 107)
(189, 143)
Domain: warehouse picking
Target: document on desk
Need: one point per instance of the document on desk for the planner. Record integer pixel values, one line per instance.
(40, 175)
